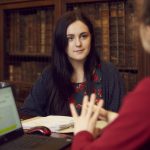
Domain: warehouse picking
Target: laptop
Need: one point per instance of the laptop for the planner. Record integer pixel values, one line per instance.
(12, 135)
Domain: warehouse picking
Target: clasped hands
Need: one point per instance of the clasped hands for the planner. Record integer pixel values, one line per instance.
(90, 113)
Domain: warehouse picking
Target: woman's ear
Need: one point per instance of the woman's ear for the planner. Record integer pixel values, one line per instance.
(145, 36)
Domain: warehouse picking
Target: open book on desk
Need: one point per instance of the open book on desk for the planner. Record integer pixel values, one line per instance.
(54, 123)
(59, 124)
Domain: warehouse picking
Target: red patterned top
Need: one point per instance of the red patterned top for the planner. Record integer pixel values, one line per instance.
(80, 88)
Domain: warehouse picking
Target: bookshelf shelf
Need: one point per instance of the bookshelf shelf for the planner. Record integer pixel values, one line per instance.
(132, 70)
(23, 54)
(20, 83)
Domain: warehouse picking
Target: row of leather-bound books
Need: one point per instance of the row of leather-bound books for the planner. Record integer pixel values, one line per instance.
(29, 30)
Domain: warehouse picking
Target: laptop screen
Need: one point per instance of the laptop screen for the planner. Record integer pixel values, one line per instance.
(9, 118)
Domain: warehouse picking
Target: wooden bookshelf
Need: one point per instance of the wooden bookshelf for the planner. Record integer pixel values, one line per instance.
(26, 28)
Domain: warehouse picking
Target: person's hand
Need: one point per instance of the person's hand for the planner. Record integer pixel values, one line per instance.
(107, 116)
(104, 114)
(89, 115)
(111, 116)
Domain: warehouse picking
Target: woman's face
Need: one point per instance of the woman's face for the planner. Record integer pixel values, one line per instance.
(145, 37)
(79, 41)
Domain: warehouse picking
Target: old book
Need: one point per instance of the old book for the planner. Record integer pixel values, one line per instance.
(114, 50)
(43, 31)
(104, 15)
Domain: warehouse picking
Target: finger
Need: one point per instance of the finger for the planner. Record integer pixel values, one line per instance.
(97, 112)
(97, 132)
(101, 103)
(73, 111)
(84, 105)
(102, 113)
(91, 105)
(94, 116)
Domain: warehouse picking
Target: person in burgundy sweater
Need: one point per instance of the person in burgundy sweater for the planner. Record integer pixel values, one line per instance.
(130, 128)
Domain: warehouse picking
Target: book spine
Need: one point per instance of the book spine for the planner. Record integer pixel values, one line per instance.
(104, 14)
(114, 50)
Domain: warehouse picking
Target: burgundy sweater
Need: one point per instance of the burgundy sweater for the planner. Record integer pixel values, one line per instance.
(130, 131)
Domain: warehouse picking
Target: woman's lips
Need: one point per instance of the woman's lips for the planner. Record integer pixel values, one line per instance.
(78, 50)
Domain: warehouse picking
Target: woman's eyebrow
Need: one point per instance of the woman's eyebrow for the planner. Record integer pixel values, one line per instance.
(84, 33)
(70, 35)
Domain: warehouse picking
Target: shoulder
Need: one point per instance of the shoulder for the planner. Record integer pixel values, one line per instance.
(139, 98)
(47, 73)
(45, 78)
(111, 76)
(143, 85)
(143, 91)
(109, 71)
(108, 67)
(47, 70)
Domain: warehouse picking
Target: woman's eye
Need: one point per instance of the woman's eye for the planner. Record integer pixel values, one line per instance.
(70, 38)
(84, 36)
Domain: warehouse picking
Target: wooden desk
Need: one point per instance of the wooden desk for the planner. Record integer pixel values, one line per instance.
(58, 135)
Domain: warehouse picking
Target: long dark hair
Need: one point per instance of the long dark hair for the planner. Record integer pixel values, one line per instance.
(61, 67)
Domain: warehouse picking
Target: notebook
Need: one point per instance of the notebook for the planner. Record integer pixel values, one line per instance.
(11, 132)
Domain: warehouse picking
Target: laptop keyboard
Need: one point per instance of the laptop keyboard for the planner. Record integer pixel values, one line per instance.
(25, 142)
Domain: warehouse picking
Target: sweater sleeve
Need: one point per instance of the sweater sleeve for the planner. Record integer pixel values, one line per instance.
(112, 86)
(84, 137)
(35, 103)
(129, 131)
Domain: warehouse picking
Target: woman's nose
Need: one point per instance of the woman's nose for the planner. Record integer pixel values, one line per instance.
(77, 42)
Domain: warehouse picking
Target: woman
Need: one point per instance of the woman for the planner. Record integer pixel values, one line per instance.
(130, 128)
(76, 70)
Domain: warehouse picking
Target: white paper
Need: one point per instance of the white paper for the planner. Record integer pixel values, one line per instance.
(54, 123)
